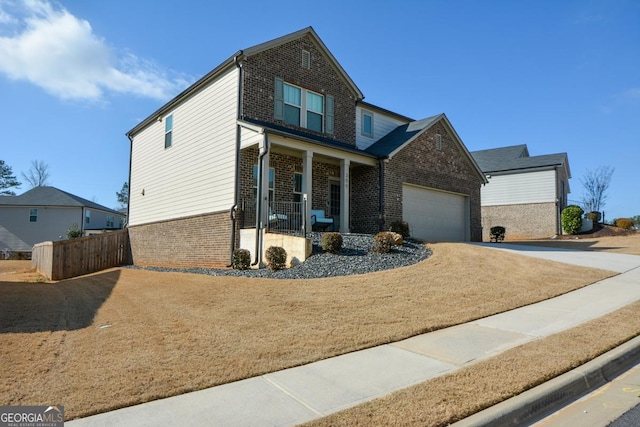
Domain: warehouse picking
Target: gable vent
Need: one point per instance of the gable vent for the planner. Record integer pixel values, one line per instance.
(306, 59)
(438, 142)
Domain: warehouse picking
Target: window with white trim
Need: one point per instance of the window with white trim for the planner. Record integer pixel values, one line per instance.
(168, 131)
(33, 215)
(367, 124)
(87, 216)
(110, 221)
(301, 107)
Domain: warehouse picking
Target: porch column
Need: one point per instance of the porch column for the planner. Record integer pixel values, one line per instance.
(264, 191)
(344, 195)
(307, 187)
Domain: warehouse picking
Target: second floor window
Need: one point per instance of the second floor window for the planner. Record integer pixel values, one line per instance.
(168, 131)
(87, 217)
(304, 108)
(110, 221)
(33, 215)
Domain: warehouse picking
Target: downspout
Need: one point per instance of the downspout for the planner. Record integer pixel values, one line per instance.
(381, 194)
(263, 153)
(236, 195)
(126, 224)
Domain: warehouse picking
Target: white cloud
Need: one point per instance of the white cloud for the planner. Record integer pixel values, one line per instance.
(59, 52)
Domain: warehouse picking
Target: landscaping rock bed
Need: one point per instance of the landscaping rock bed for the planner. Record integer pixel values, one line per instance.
(356, 257)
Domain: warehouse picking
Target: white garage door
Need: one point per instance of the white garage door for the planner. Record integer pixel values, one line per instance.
(434, 215)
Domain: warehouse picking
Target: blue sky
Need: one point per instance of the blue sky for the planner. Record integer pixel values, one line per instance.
(559, 76)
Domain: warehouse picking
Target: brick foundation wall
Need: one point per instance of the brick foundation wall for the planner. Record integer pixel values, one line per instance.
(198, 241)
(420, 163)
(529, 221)
(285, 62)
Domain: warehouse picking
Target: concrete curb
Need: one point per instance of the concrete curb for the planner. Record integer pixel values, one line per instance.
(537, 403)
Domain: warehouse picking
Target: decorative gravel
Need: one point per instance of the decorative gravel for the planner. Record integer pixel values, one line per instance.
(356, 257)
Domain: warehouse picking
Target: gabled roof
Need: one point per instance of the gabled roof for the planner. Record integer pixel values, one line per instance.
(299, 34)
(51, 196)
(237, 58)
(516, 158)
(400, 137)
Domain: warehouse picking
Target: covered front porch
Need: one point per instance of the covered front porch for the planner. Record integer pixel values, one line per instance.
(292, 185)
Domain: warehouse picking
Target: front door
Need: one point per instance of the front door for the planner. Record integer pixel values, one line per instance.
(334, 203)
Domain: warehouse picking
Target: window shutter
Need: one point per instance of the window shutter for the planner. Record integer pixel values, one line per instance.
(278, 98)
(328, 126)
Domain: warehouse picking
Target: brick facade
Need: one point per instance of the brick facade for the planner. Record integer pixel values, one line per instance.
(285, 62)
(528, 221)
(198, 241)
(421, 163)
(365, 197)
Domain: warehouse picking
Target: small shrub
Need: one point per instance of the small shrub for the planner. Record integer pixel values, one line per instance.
(497, 233)
(593, 216)
(276, 257)
(397, 238)
(400, 227)
(331, 242)
(625, 223)
(383, 242)
(74, 231)
(241, 259)
(572, 219)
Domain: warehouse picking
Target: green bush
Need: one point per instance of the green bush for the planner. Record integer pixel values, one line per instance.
(400, 227)
(74, 231)
(276, 257)
(241, 259)
(625, 223)
(572, 219)
(331, 242)
(497, 233)
(383, 242)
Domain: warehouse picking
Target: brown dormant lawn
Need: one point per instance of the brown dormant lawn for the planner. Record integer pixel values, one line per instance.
(126, 336)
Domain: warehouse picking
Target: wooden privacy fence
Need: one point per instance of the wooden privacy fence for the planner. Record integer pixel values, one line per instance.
(71, 258)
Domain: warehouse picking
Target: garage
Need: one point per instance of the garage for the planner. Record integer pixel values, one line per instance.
(435, 215)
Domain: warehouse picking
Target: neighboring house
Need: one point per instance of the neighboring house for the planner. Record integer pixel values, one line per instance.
(276, 123)
(525, 194)
(45, 214)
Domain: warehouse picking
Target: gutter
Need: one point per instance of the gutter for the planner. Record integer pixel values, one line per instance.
(236, 193)
(126, 224)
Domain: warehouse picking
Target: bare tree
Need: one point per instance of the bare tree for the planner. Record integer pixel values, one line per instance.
(38, 174)
(7, 180)
(596, 183)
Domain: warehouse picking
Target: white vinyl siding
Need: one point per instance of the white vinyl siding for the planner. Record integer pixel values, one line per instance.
(197, 175)
(19, 234)
(382, 125)
(519, 188)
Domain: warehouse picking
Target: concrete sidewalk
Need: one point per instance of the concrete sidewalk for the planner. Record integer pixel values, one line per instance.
(304, 393)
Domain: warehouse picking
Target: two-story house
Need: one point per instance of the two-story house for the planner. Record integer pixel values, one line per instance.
(525, 194)
(276, 136)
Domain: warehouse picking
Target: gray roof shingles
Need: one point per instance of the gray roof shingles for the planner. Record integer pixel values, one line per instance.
(51, 196)
(515, 157)
(400, 136)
